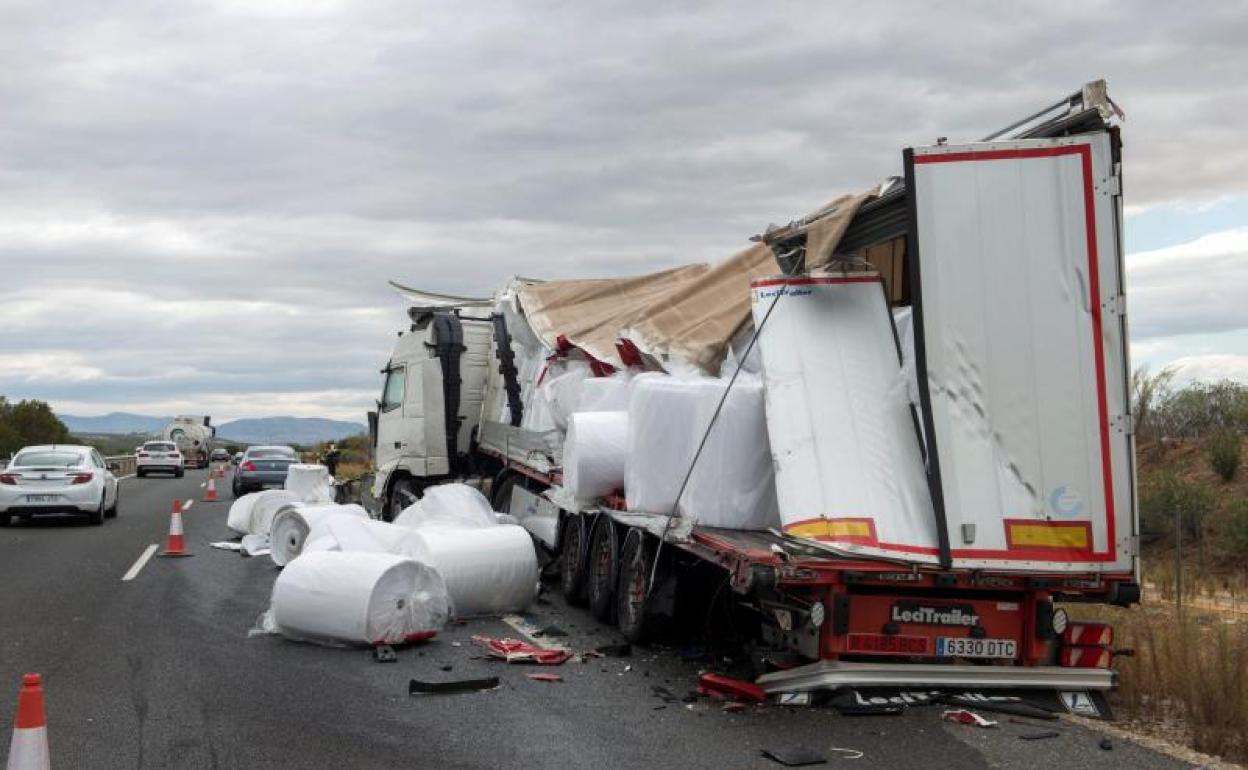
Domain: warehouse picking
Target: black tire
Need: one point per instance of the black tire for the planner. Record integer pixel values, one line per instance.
(603, 568)
(402, 493)
(572, 572)
(5, 519)
(179, 474)
(112, 511)
(96, 517)
(634, 605)
(139, 472)
(500, 496)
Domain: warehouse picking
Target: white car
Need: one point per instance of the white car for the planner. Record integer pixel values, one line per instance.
(159, 457)
(59, 478)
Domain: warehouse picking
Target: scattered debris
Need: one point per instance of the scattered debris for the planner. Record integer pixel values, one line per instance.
(1039, 736)
(717, 686)
(384, 653)
(999, 707)
(227, 545)
(1106, 744)
(622, 650)
(448, 668)
(417, 687)
(849, 753)
(795, 756)
(551, 631)
(852, 704)
(516, 651)
(545, 677)
(735, 707)
(964, 717)
(793, 699)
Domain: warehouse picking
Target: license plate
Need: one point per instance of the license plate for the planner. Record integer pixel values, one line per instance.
(41, 498)
(888, 644)
(965, 647)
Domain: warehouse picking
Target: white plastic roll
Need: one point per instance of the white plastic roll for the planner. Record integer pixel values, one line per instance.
(309, 483)
(367, 598)
(562, 392)
(664, 428)
(294, 521)
(488, 571)
(239, 517)
(451, 505)
(265, 508)
(594, 453)
(604, 394)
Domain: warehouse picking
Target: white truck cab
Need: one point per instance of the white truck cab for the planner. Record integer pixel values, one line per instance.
(430, 403)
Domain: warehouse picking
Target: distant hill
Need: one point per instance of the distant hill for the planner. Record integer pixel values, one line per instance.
(259, 430)
(288, 430)
(116, 422)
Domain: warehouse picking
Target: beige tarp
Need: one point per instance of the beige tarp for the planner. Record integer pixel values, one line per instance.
(683, 317)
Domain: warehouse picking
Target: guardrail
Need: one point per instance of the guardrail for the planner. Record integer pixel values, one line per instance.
(127, 463)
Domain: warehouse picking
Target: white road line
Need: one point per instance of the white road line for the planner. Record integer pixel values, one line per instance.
(123, 478)
(186, 504)
(138, 566)
(204, 484)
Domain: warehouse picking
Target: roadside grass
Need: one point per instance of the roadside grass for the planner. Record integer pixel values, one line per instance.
(1188, 678)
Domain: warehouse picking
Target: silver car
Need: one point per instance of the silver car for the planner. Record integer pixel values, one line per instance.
(263, 466)
(58, 478)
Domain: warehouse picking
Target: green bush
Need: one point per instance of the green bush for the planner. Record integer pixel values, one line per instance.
(1165, 495)
(1224, 454)
(1237, 525)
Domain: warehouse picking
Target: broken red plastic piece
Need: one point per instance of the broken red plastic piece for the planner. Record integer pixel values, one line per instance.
(717, 686)
(516, 651)
(962, 716)
(545, 677)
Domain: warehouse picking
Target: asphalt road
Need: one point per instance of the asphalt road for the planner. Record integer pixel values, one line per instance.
(160, 672)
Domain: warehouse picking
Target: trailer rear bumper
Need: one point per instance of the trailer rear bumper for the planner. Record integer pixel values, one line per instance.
(831, 675)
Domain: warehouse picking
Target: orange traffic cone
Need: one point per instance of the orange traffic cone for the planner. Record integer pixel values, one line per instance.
(29, 748)
(175, 546)
(210, 491)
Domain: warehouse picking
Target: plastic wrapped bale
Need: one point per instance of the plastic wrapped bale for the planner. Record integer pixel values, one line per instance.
(664, 428)
(488, 570)
(358, 598)
(453, 505)
(594, 453)
(733, 484)
(293, 522)
(310, 483)
(563, 390)
(239, 517)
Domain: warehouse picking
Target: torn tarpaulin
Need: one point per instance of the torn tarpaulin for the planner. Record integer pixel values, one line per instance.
(516, 651)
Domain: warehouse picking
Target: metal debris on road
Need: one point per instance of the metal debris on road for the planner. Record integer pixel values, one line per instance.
(545, 677)
(227, 545)
(1039, 736)
(848, 753)
(795, 756)
(384, 653)
(417, 687)
(724, 687)
(964, 717)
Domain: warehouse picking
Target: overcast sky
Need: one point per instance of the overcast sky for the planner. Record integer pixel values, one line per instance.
(201, 202)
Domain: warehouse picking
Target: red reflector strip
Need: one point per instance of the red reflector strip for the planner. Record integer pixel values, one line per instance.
(1086, 657)
(1088, 634)
(886, 644)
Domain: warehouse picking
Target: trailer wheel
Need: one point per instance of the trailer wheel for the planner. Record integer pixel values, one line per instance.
(604, 556)
(633, 599)
(572, 560)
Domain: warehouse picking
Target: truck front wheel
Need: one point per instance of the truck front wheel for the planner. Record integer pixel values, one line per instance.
(403, 493)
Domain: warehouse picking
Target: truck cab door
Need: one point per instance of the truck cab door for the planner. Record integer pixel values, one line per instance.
(390, 412)
(1021, 345)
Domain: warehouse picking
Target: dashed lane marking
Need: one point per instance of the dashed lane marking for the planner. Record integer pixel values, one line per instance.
(139, 564)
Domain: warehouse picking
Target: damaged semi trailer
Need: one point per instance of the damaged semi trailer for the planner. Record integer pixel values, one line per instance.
(921, 396)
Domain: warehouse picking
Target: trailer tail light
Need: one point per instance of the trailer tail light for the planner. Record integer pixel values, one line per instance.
(1087, 657)
(248, 466)
(81, 478)
(9, 478)
(1088, 634)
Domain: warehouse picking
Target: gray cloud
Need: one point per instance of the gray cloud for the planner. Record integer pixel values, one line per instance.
(219, 190)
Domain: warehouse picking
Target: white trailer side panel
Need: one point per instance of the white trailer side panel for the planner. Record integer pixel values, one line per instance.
(1021, 332)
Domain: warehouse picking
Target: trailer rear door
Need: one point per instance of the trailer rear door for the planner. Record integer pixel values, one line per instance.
(1016, 268)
